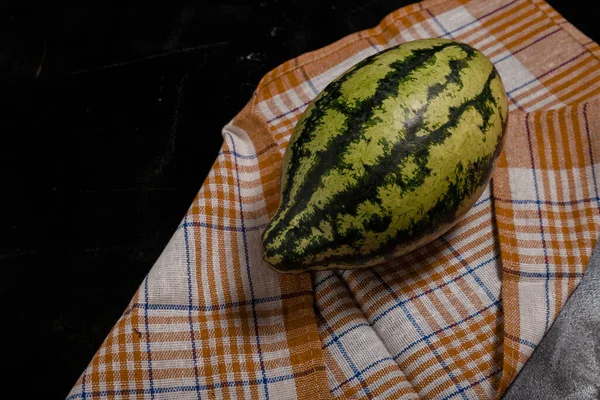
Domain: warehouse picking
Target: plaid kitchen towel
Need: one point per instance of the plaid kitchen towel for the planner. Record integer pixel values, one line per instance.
(457, 318)
(565, 365)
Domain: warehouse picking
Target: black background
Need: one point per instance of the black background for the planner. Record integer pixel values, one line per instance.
(110, 119)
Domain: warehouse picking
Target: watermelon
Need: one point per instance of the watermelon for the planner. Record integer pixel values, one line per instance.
(388, 157)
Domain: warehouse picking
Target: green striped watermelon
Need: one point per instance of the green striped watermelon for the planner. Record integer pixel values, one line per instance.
(387, 157)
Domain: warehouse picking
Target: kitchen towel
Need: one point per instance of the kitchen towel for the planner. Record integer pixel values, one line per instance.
(566, 363)
(458, 318)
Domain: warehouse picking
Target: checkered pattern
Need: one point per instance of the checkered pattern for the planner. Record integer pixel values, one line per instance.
(547, 206)
(457, 318)
(210, 320)
(436, 312)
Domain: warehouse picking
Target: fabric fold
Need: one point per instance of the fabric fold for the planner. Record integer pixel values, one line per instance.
(341, 322)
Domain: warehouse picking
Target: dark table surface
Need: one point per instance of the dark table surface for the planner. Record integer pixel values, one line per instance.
(111, 119)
